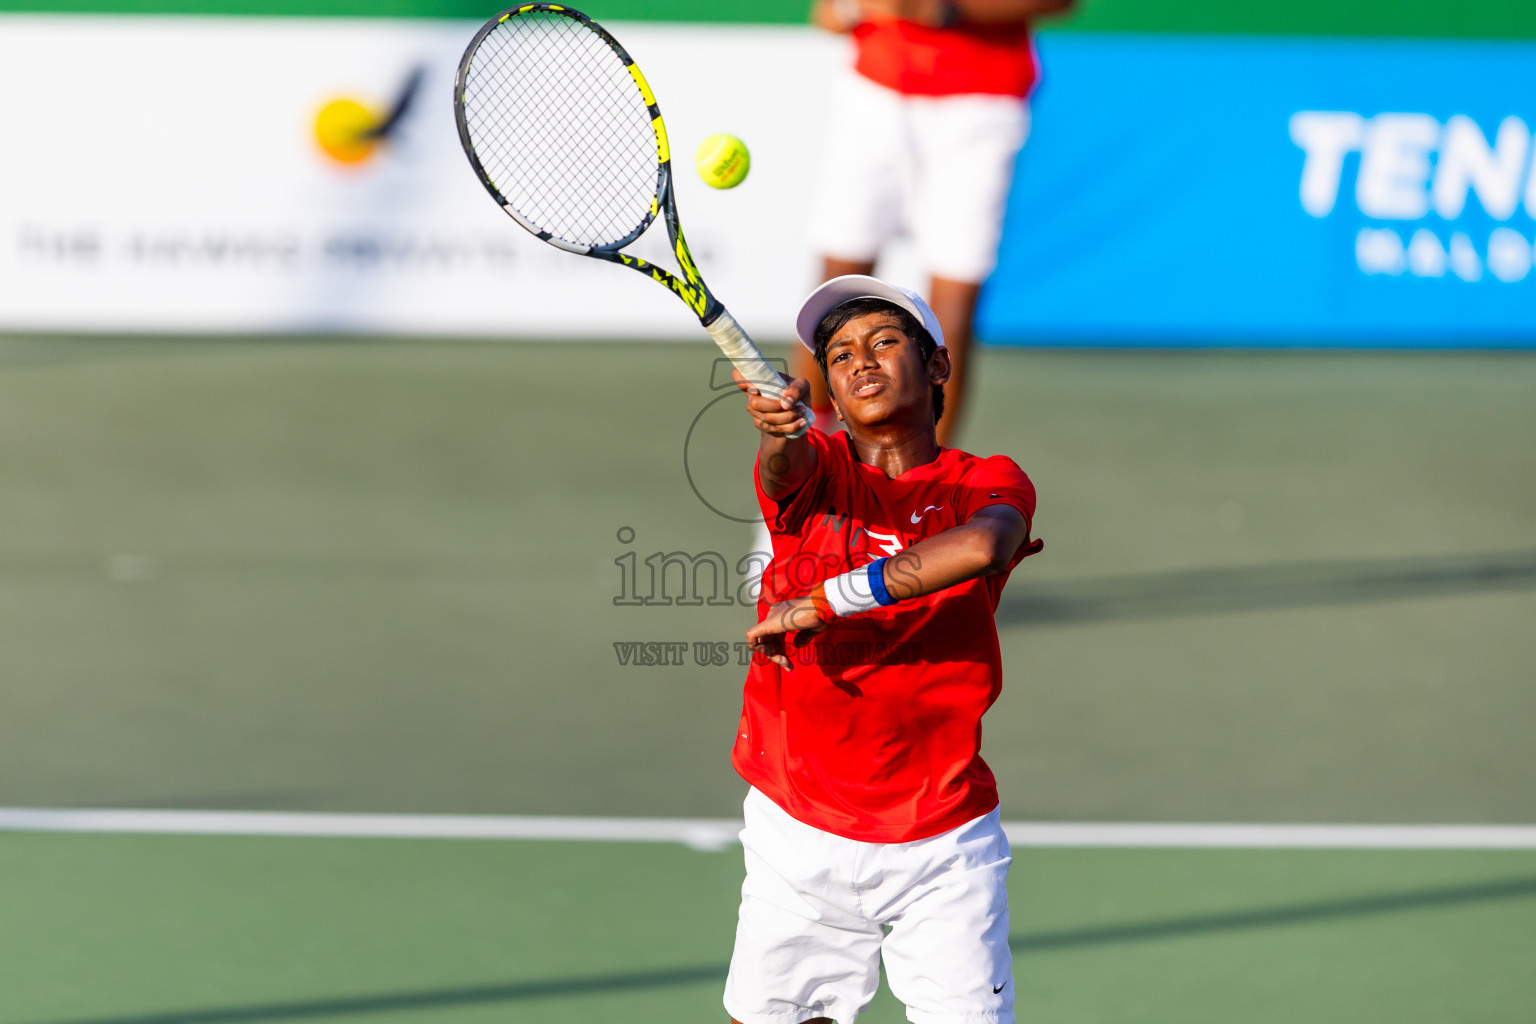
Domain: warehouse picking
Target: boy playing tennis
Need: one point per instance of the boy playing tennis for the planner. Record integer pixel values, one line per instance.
(872, 824)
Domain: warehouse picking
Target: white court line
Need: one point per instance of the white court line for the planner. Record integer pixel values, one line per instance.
(1273, 837)
(718, 833)
(700, 833)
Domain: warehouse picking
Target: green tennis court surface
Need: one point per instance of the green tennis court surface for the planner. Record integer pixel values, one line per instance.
(380, 576)
(112, 930)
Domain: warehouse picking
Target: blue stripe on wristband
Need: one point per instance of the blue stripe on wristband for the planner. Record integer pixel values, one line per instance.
(877, 581)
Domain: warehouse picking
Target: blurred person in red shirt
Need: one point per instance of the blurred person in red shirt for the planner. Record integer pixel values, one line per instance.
(923, 135)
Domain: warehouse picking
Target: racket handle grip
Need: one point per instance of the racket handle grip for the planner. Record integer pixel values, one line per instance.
(749, 362)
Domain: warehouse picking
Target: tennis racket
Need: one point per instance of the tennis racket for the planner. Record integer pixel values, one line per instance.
(564, 132)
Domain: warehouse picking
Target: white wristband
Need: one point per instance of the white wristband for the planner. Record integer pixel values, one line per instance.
(861, 590)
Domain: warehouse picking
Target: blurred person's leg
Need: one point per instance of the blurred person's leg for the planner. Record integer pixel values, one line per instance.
(966, 148)
(954, 303)
(858, 201)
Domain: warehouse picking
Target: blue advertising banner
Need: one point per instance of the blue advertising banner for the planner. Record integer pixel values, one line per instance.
(1214, 191)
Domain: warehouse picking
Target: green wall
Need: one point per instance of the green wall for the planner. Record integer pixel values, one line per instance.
(1471, 18)
(1493, 19)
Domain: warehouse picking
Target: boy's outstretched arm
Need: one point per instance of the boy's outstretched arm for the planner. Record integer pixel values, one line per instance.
(981, 546)
(783, 462)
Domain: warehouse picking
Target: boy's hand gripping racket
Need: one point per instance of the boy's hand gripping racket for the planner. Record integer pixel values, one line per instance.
(562, 129)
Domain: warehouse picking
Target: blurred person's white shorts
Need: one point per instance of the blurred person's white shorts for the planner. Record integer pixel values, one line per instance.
(819, 911)
(936, 169)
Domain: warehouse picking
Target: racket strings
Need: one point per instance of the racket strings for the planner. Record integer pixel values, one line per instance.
(561, 129)
(534, 139)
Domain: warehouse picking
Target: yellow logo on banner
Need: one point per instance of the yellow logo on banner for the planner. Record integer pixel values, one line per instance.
(343, 130)
(349, 131)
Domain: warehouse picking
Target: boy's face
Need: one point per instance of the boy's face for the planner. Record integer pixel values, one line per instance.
(877, 374)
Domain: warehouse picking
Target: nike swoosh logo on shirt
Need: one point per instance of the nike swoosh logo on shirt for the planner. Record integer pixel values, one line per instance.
(917, 516)
(998, 988)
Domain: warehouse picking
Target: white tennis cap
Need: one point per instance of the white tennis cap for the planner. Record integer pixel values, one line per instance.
(859, 286)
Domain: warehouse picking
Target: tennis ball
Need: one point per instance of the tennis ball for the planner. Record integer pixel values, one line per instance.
(723, 161)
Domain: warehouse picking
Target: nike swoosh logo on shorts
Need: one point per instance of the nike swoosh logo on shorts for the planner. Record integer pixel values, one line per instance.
(917, 516)
(998, 988)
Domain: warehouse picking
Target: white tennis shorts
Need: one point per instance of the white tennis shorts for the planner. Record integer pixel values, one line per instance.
(819, 911)
(934, 168)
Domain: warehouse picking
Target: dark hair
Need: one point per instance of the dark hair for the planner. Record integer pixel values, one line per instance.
(905, 321)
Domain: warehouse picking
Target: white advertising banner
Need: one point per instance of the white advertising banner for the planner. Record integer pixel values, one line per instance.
(196, 177)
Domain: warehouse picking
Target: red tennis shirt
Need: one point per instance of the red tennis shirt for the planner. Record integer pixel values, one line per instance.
(875, 735)
(920, 60)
